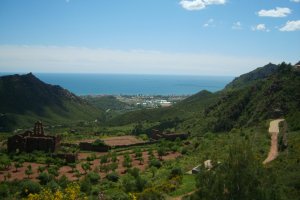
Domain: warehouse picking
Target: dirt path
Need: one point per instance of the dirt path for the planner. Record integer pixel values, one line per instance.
(274, 131)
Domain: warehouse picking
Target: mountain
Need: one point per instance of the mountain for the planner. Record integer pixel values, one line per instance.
(268, 92)
(248, 78)
(25, 99)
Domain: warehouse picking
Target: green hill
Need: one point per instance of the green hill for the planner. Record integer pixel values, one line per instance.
(272, 96)
(268, 92)
(25, 99)
(251, 77)
(107, 102)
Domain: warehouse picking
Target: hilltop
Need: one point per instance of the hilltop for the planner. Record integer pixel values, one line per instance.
(267, 92)
(25, 98)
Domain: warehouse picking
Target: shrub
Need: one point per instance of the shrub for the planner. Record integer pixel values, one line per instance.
(53, 170)
(5, 162)
(63, 181)
(85, 185)
(53, 186)
(114, 157)
(161, 151)
(28, 171)
(174, 148)
(176, 171)
(140, 183)
(93, 177)
(44, 178)
(116, 194)
(113, 166)
(71, 192)
(103, 159)
(184, 151)
(29, 187)
(128, 183)
(151, 194)
(240, 176)
(4, 190)
(86, 166)
(114, 177)
(155, 163)
(98, 142)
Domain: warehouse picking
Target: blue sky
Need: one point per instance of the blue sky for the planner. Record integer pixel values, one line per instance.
(199, 37)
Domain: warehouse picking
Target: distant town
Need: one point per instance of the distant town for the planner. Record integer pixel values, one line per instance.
(149, 101)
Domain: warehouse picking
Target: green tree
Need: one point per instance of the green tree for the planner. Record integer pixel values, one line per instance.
(73, 166)
(138, 129)
(41, 169)
(114, 166)
(241, 176)
(29, 187)
(77, 174)
(93, 177)
(86, 166)
(114, 157)
(114, 177)
(53, 170)
(128, 183)
(18, 165)
(44, 178)
(161, 151)
(141, 159)
(103, 159)
(5, 162)
(127, 161)
(28, 171)
(153, 171)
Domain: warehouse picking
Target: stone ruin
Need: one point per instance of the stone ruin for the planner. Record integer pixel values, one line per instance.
(156, 135)
(33, 140)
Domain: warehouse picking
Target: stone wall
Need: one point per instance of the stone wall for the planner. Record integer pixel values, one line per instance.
(156, 135)
(86, 146)
(68, 157)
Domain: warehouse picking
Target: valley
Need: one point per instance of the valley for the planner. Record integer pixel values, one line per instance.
(110, 145)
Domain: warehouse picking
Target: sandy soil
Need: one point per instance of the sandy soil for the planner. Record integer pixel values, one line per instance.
(115, 141)
(67, 171)
(273, 131)
(122, 140)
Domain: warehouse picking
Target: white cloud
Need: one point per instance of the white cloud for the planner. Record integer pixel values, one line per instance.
(199, 4)
(237, 25)
(260, 27)
(291, 26)
(277, 12)
(296, 1)
(15, 58)
(209, 23)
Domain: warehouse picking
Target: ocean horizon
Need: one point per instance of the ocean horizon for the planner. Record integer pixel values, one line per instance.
(132, 84)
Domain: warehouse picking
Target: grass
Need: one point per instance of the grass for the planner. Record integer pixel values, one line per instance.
(188, 185)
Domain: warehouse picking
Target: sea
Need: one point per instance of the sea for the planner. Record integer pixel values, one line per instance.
(124, 84)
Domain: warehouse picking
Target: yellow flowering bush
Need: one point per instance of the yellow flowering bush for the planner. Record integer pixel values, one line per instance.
(72, 192)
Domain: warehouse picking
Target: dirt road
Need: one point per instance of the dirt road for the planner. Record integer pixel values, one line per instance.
(273, 131)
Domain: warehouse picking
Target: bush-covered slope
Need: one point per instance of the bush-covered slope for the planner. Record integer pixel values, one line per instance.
(277, 95)
(268, 92)
(25, 99)
(251, 77)
(106, 102)
(183, 110)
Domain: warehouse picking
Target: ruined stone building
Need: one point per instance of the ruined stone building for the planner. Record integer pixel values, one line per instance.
(33, 140)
